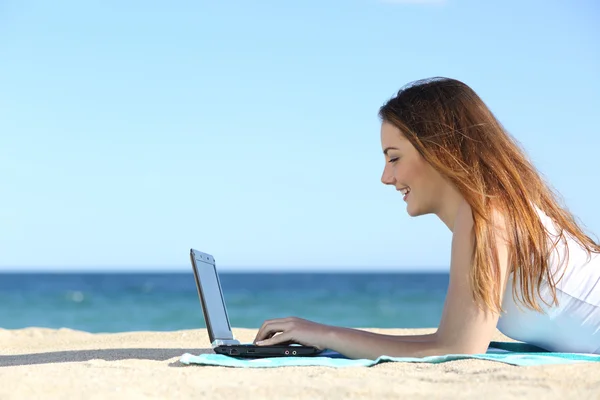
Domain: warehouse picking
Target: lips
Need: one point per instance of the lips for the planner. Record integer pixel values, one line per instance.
(405, 191)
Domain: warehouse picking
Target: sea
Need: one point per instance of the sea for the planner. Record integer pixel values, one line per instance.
(121, 302)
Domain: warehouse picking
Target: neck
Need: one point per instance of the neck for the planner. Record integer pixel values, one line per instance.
(448, 208)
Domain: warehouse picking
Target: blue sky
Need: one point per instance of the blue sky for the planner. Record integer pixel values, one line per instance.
(132, 131)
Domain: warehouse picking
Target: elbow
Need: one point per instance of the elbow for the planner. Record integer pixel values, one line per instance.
(464, 348)
(468, 350)
(461, 347)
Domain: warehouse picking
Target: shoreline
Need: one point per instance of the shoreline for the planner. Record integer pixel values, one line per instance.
(43, 362)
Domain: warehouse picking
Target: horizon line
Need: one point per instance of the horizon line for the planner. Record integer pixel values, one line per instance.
(238, 270)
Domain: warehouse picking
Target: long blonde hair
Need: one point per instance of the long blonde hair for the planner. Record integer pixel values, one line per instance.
(453, 129)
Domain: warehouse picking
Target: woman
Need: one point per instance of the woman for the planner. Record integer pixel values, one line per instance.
(519, 262)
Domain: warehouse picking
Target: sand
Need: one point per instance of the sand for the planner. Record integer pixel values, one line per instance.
(64, 363)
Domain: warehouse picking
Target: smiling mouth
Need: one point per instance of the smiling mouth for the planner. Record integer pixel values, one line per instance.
(405, 192)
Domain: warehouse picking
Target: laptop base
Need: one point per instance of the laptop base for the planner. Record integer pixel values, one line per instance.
(253, 351)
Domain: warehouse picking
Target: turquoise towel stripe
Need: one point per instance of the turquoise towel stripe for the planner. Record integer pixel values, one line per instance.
(519, 354)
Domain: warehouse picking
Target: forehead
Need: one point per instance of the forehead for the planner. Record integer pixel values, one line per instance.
(391, 136)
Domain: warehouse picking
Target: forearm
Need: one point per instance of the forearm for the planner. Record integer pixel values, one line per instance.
(354, 343)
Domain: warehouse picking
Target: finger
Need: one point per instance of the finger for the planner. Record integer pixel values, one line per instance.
(265, 337)
(269, 330)
(282, 338)
(264, 329)
(259, 334)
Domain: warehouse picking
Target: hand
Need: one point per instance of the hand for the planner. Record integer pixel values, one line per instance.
(292, 330)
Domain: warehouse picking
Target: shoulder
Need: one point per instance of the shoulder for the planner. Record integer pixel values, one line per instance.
(486, 241)
(464, 221)
(496, 223)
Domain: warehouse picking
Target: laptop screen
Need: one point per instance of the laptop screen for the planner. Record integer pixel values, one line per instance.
(211, 297)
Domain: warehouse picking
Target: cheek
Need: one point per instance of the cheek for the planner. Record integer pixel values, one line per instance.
(406, 174)
(421, 172)
(402, 171)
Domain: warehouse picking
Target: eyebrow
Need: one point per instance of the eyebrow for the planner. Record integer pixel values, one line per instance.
(388, 149)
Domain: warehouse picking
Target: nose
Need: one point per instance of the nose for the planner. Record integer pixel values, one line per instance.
(387, 178)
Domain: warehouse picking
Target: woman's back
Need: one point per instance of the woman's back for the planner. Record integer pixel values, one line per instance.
(573, 325)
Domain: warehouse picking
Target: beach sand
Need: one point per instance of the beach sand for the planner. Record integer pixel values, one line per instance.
(63, 363)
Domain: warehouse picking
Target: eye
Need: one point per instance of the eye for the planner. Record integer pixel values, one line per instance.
(393, 160)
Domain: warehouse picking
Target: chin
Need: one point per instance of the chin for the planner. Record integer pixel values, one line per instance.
(413, 211)
(412, 214)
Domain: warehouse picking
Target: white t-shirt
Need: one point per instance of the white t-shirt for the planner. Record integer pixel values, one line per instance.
(573, 325)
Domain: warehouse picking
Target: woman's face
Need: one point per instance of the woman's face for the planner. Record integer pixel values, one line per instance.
(423, 188)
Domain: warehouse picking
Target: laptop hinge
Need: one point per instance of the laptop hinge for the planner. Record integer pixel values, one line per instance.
(224, 342)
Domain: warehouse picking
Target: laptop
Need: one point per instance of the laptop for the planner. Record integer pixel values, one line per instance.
(217, 321)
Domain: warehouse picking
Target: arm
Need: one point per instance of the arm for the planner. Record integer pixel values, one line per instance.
(354, 343)
(464, 327)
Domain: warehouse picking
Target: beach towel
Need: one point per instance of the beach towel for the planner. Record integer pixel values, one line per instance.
(519, 354)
